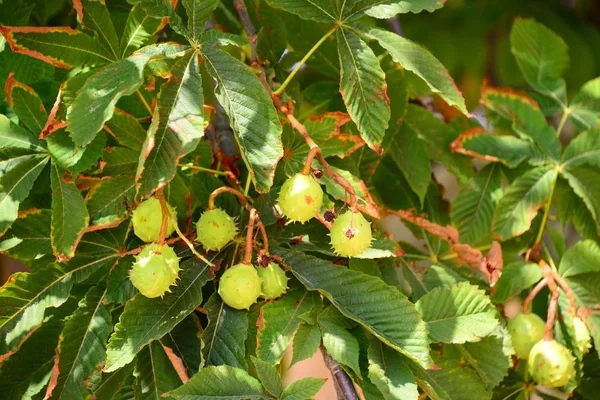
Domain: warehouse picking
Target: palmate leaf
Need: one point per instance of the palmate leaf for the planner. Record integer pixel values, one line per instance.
(108, 201)
(585, 107)
(581, 258)
(223, 339)
(198, 12)
(382, 309)
(301, 389)
(457, 314)
(571, 208)
(117, 385)
(585, 181)
(222, 382)
(473, 209)
(389, 372)
(82, 346)
(29, 237)
(145, 320)
(269, 376)
(14, 136)
(164, 9)
(184, 340)
(384, 9)
(584, 149)
(416, 59)
(94, 15)
(363, 87)
(155, 375)
(586, 286)
(17, 176)
(62, 47)
(306, 342)
(515, 278)
(542, 57)
(70, 217)
(340, 344)
(75, 159)
(177, 125)
(96, 100)
(250, 112)
(506, 149)
(126, 130)
(521, 201)
(278, 322)
(139, 29)
(26, 103)
(316, 10)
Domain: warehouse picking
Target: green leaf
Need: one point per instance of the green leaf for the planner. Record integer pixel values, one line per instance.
(223, 339)
(177, 125)
(306, 343)
(222, 382)
(585, 287)
(120, 160)
(515, 278)
(542, 56)
(506, 149)
(26, 103)
(421, 62)
(316, 10)
(269, 377)
(94, 16)
(382, 309)
(391, 375)
(96, 100)
(457, 314)
(473, 209)
(571, 208)
(75, 159)
(198, 12)
(251, 115)
(29, 237)
(185, 340)
(119, 288)
(107, 202)
(62, 47)
(154, 373)
(581, 258)
(14, 136)
(117, 385)
(585, 181)
(279, 320)
(384, 9)
(24, 300)
(585, 107)
(138, 30)
(451, 381)
(164, 9)
(584, 149)
(145, 320)
(490, 357)
(340, 344)
(126, 130)
(409, 153)
(17, 176)
(70, 217)
(521, 200)
(363, 87)
(305, 388)
(82, 346)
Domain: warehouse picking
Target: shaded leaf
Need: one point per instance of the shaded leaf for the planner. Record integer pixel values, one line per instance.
(581, 258)
(585, 106)
(585, 181)
(29, 237)
(154, 373)
(306, 343)
(108, 201)
(515, 278)
(316, 10)
(340, 344)
(126, 130)
(75, 159)
(93, 15)
(139, 29)
(26, 103)
(198, 12)
(14, 136)
(584, 149)
(391, 375)
(269, 377)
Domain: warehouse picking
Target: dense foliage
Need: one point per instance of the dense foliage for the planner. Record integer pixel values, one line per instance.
(195, 185)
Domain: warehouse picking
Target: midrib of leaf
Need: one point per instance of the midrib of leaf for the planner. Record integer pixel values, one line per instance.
(212, 340)
(90, 15)
(7, 196)
(51, 285)
(578, 156)
(133, 35)
(360, 84)
(153, 373)
(117, 197)
(24, 101)
(353, 13)
(88, 330)
(84, 50)
(532, 188)
(484, 192)
(321, 9)
(11, 138)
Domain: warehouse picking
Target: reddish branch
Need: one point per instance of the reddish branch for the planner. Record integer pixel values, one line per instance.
(249, 237)
(226, 189)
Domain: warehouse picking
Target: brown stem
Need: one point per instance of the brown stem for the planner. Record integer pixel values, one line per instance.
(309, 159)
(536, 290)
(249, 237)
(343, 384)
(551, 315)
(567, 289)
(263, 233)
(223, 189)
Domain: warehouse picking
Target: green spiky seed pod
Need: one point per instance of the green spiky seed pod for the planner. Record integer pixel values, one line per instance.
(582, 335)
(239, 286)
(215, 229)
(300, 198)
(525, 331)
(274, 281)
(147, 220)
(350, 234)
(551, 364)
(153, 272)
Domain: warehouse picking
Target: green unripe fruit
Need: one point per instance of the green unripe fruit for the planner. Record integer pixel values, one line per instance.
(582, 335)
(215, 229)
(350, 234)
(525, 331)
(239, 286)
(551, 364)
(153, 272)
(300, 198)
(147, 220)
(274, 281)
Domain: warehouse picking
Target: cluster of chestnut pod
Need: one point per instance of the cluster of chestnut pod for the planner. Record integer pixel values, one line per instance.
(156, 267)
(549, 362)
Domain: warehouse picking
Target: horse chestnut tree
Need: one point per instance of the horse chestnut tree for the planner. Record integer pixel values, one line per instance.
(194, 189)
